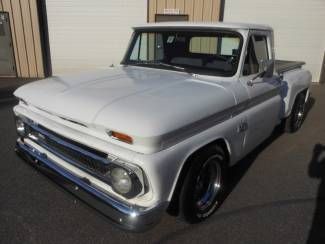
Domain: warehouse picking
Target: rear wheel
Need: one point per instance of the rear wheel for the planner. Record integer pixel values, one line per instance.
(204, 186)
(296, 118)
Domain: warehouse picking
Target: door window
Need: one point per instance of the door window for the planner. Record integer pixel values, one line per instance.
(257, 54)
(148, 47)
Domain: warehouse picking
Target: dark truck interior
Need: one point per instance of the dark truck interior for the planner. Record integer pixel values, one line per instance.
(197, 51)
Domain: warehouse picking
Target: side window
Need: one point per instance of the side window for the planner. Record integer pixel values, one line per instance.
(226, 46)
(135, 51)
(148, 47)
(203, 45)
(257, 53)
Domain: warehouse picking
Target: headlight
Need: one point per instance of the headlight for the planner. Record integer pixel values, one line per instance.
(125, 182)
(121, 181)
(20, 126)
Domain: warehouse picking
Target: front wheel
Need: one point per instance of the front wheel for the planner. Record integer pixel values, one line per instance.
(296, 118)
(204, 186)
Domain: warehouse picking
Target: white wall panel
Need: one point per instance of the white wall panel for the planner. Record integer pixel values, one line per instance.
(299, 26)
(92, 34)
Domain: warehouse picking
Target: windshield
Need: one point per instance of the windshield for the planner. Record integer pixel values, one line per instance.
(212, 53)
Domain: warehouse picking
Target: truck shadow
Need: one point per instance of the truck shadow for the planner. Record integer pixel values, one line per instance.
(240, 168)
(316, 169)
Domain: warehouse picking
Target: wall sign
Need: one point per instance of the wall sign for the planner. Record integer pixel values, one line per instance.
(174, 11)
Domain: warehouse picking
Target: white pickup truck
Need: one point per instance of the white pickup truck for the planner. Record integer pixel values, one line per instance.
(160, 131)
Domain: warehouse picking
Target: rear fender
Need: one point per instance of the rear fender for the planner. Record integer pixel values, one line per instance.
(294, 82)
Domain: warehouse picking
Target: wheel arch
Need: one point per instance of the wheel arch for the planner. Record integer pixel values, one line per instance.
(173, 207)
(294, 82)
(302, 90)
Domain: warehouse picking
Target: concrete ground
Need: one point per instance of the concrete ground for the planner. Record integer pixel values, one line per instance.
(277, 196)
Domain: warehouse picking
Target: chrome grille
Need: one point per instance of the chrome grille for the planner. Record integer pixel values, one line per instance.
(79, 155)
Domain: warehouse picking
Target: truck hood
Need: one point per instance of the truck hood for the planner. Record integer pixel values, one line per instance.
(147, 104)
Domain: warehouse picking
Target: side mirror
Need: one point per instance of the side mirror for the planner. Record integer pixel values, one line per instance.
(266, 67)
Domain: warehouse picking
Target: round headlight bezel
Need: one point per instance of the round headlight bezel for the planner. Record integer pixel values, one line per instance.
(20, 127)
(121, 181)
(135, 187)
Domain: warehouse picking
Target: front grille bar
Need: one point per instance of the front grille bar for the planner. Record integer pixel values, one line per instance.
(67, 144)
(95, 165)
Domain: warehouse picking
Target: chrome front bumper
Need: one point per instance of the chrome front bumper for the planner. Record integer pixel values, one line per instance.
(128, 217)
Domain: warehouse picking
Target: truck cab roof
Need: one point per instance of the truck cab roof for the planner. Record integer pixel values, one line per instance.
(209, 25)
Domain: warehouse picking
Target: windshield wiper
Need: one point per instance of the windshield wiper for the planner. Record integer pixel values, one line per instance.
(162, 64)
(171, 66)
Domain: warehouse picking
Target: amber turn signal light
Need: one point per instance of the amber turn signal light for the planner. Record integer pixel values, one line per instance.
(121, 137)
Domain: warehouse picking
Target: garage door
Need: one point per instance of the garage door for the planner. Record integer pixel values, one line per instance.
(298, 25)
(93, 34)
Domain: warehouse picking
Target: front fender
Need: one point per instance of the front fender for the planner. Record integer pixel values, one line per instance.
(164, 167)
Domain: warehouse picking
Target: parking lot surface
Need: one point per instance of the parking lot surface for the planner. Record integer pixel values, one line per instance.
(277, 196)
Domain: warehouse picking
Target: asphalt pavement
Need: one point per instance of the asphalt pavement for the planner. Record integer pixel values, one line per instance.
(277, 196)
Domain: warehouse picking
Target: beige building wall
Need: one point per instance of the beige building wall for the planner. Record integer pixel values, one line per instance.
(25, 33)
(194, 10)
(197, 10)
(298, 27)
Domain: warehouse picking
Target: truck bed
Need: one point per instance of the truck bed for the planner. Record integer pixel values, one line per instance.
(282, 66)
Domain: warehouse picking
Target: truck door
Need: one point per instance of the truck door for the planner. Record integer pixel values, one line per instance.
(264, 104)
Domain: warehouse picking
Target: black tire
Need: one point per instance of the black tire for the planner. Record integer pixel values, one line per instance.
(294, 122)
(204, 187)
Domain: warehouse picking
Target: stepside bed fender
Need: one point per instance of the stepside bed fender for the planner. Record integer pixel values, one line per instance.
(294, 82)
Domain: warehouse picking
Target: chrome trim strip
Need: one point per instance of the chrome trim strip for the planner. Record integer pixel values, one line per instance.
(73, 121)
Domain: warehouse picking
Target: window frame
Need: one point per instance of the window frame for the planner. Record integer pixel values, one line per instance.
(137, 31)
(252, 33)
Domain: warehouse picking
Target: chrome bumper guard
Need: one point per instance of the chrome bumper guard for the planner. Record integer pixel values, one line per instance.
(129, 217)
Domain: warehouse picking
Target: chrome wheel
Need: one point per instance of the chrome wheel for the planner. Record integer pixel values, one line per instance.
(205, 184)
(299, 114)
(208, 184)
